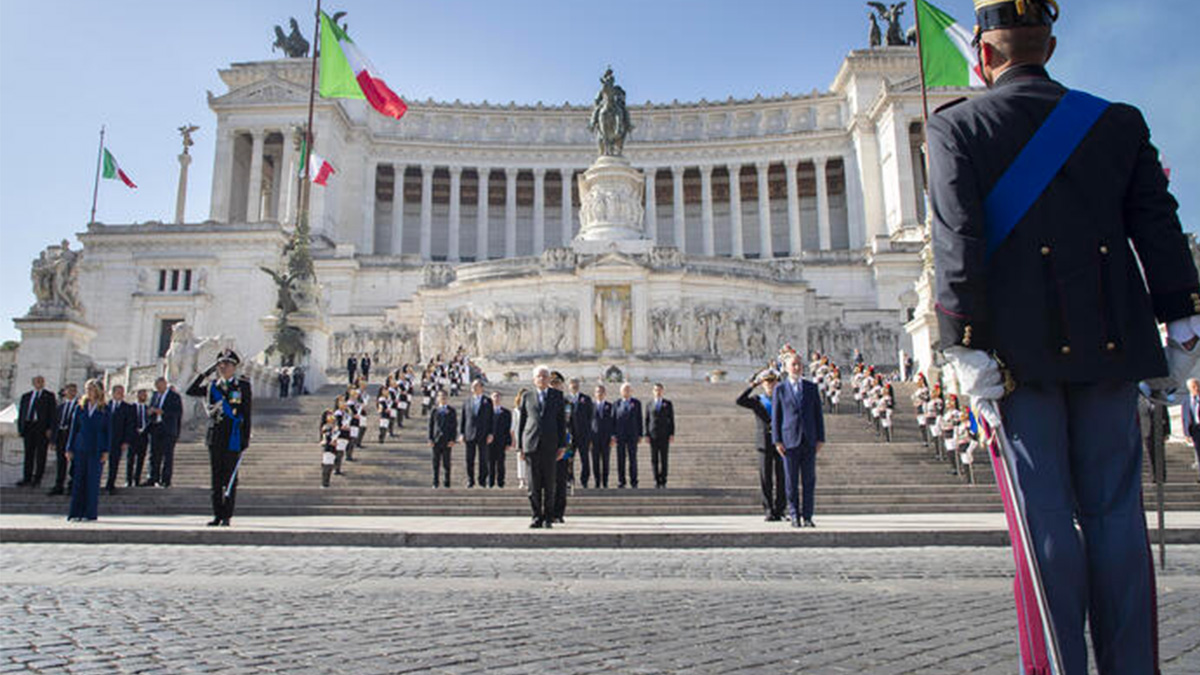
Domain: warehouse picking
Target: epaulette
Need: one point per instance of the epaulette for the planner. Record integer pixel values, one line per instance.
(947, 106)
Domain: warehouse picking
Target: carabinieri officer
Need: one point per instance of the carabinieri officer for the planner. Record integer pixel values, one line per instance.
(228, 400)
(1043, 202)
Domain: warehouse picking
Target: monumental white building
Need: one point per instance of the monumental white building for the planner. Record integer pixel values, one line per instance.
(783, 218)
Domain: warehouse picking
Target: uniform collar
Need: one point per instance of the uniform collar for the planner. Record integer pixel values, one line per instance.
(1028, 71)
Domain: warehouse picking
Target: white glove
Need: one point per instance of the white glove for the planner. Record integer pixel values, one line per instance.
(1181, 365)
(978, 373)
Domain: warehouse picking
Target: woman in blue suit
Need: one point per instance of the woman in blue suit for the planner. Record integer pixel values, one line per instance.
(88, 451)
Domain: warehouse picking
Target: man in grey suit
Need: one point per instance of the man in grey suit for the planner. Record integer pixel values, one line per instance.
(543, 430)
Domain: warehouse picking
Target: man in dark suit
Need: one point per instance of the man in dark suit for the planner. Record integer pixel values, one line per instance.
(660, 429)
(443, 430)
(603, 435)
(63, 417)
(628, 430)
(579, 422)
(502, 440)
(351, 369)
(137, 449)
(475, 430)
(1057, 248)
(122, 433)
(166, 415)
(543, 431)
(770, 460)
(1191, 418)
(364, 364)
(229, 402)
(35, 425)
(798, 431)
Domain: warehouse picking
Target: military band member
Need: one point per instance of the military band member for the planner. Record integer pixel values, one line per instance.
(1064, 281)
(229, 403)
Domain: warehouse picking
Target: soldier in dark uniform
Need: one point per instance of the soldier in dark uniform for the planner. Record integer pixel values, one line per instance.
(1041, 276)
(229, 402)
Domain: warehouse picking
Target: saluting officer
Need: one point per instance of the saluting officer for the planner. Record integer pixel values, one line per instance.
(228, 400)
(1037, 193)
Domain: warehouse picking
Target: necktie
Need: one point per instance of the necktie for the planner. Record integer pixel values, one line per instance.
(141, 416)
(32, 403)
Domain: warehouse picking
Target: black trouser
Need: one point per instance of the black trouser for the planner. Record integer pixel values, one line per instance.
(495, 464)
(136, 460)
(562, 476)
(771, 478)
(583, 452)
(441, 460)
(542, 482)
(659, 448)
(61, 464)
(36, 444)
(477, 448)
(627, 450)
(601, 458)
(162, 457)
(222, 462)
(114, 466)
(326, 474)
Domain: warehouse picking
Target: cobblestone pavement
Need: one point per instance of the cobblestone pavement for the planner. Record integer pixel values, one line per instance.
(79, 608)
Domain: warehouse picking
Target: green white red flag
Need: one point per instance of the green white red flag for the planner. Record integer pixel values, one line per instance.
(347, 73)
(113, 171)
(319, 170)
(947, 55)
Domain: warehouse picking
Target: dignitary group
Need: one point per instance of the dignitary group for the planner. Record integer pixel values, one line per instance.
(91, 432)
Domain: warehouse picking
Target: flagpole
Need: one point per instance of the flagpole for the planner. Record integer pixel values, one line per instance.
(921, 62)
(96, 184)
(306, 150)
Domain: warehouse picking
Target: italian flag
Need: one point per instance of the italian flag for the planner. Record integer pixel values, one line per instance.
(946, 51)
(113, 171)
(319, 170)
(347, 73)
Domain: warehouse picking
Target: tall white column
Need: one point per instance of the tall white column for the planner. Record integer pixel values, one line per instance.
(735, 210)
(855, 221)
(398, 209)
(222, 178)
(706, 210)
(795, 240)
(568, 209)
(823, 205)
(287, 189)
(455, 213)
(651, 205)
(766, 246)
(539, 211)
(368, 230)
(274, 205)
(481, 211)
(677, 211)
(510, 213)
(426, 211)
(254, 200)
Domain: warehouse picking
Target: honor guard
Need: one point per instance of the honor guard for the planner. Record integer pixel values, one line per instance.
(228, 400)
(1044, 200)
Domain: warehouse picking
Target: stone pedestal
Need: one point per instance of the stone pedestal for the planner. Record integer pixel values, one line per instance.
(55, 348)
(316, 338)
(611, 212)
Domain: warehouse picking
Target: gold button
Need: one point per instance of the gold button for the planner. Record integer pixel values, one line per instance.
(1045, 250)
(1104, 250)
(1066, 351)
(1112, 346)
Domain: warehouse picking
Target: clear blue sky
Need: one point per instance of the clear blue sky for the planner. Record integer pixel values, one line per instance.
(142, 67)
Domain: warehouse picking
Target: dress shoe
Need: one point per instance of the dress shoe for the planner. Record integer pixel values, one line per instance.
(55, 491)
(535, 525)
(214, 522)
(225, 523)
(809, 523)
(148, 484)
(559, 520)
(768, 518)
(796, 522)
(547, 525)
(22, 483)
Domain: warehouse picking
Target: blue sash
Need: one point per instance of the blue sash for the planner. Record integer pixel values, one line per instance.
(1038, 163)
(235, 434)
